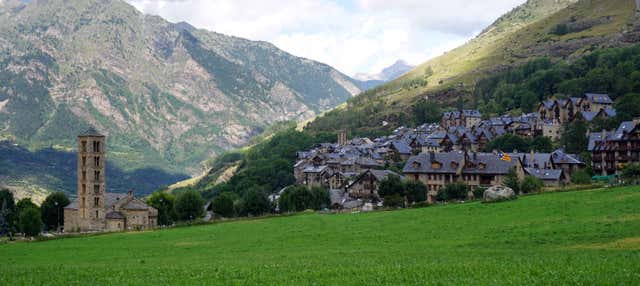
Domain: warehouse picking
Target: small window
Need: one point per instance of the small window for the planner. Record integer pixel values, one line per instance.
(96, 202)
(96, 175)
(96, 214)
(96, 160)
(96, 189)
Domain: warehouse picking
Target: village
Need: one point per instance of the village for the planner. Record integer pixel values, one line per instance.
(455, 151)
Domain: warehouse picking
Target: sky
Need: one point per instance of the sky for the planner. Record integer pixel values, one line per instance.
(352, 35)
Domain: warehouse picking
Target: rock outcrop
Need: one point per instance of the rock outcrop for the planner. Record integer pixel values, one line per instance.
(498, 193)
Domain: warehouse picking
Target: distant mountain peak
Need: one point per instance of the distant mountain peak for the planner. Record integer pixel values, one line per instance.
(389, 73)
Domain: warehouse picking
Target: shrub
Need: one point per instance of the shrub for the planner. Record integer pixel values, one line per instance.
(394, 201)
(8, 212)
(512, 181)
(392, 185)
(454, 191)
(580, 177)
(30, 222)
(531, 184)
(478, 193)
(189, 205)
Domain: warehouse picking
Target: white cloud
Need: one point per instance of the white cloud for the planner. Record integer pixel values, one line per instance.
(353, 36)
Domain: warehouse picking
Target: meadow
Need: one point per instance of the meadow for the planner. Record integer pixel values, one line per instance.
(571, 238)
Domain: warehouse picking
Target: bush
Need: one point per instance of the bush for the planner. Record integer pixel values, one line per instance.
(531, 184)
(454, 191)
(478, 193)
(580, 177)
(393, 201)
(30, 222)
(189, 205)
(512, 181)
(223, 204)
(53, 210)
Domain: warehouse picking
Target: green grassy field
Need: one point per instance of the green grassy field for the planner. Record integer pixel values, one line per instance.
(573, 238)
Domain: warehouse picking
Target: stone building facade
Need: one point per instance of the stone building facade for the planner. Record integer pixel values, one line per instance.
(94, 209)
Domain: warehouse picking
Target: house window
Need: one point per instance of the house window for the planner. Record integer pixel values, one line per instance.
(96, 175)
(97, 161)
(96, 146)
(96, 214)
(96, 202)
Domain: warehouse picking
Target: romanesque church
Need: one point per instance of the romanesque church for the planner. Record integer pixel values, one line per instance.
(94, 209)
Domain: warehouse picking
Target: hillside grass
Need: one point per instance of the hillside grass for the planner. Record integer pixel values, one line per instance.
(572, 238)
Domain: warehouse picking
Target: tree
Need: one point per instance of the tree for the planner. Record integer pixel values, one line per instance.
(9, 215)
(542, 144)
(575, 138)
(53, 210)
(531, 184)
(24, 204)
(508, 143)
(189, 205)
(165, 204)
(426, 112)
(256, 202)
(511, 181)
(392, 185)
(223, 204)
(454, 191)
(416, 191)
(30, 222)
(300, 198)
(628, 107)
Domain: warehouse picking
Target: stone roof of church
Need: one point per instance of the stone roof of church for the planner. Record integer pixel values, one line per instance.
(91, 132)
(114, 215)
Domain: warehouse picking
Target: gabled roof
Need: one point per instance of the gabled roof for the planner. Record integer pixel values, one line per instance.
(598, 98)
(114, 215)
(560, 157)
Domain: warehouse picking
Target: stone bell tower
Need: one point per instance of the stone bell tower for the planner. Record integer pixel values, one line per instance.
(91, 180)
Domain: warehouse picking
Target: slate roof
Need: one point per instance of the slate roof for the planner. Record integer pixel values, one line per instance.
(545, 174)
(542, 159)
(135, 204)
(560, 157)
(114, 215)
(401, 146)
(314, 169)
(598, 98)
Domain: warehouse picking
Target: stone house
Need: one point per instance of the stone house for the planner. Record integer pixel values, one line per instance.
(365, 186)
(436, 170)
(612, 150)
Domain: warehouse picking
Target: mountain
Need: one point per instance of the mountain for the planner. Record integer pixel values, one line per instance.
(166, 95)
(554, 29)
(368, 81)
